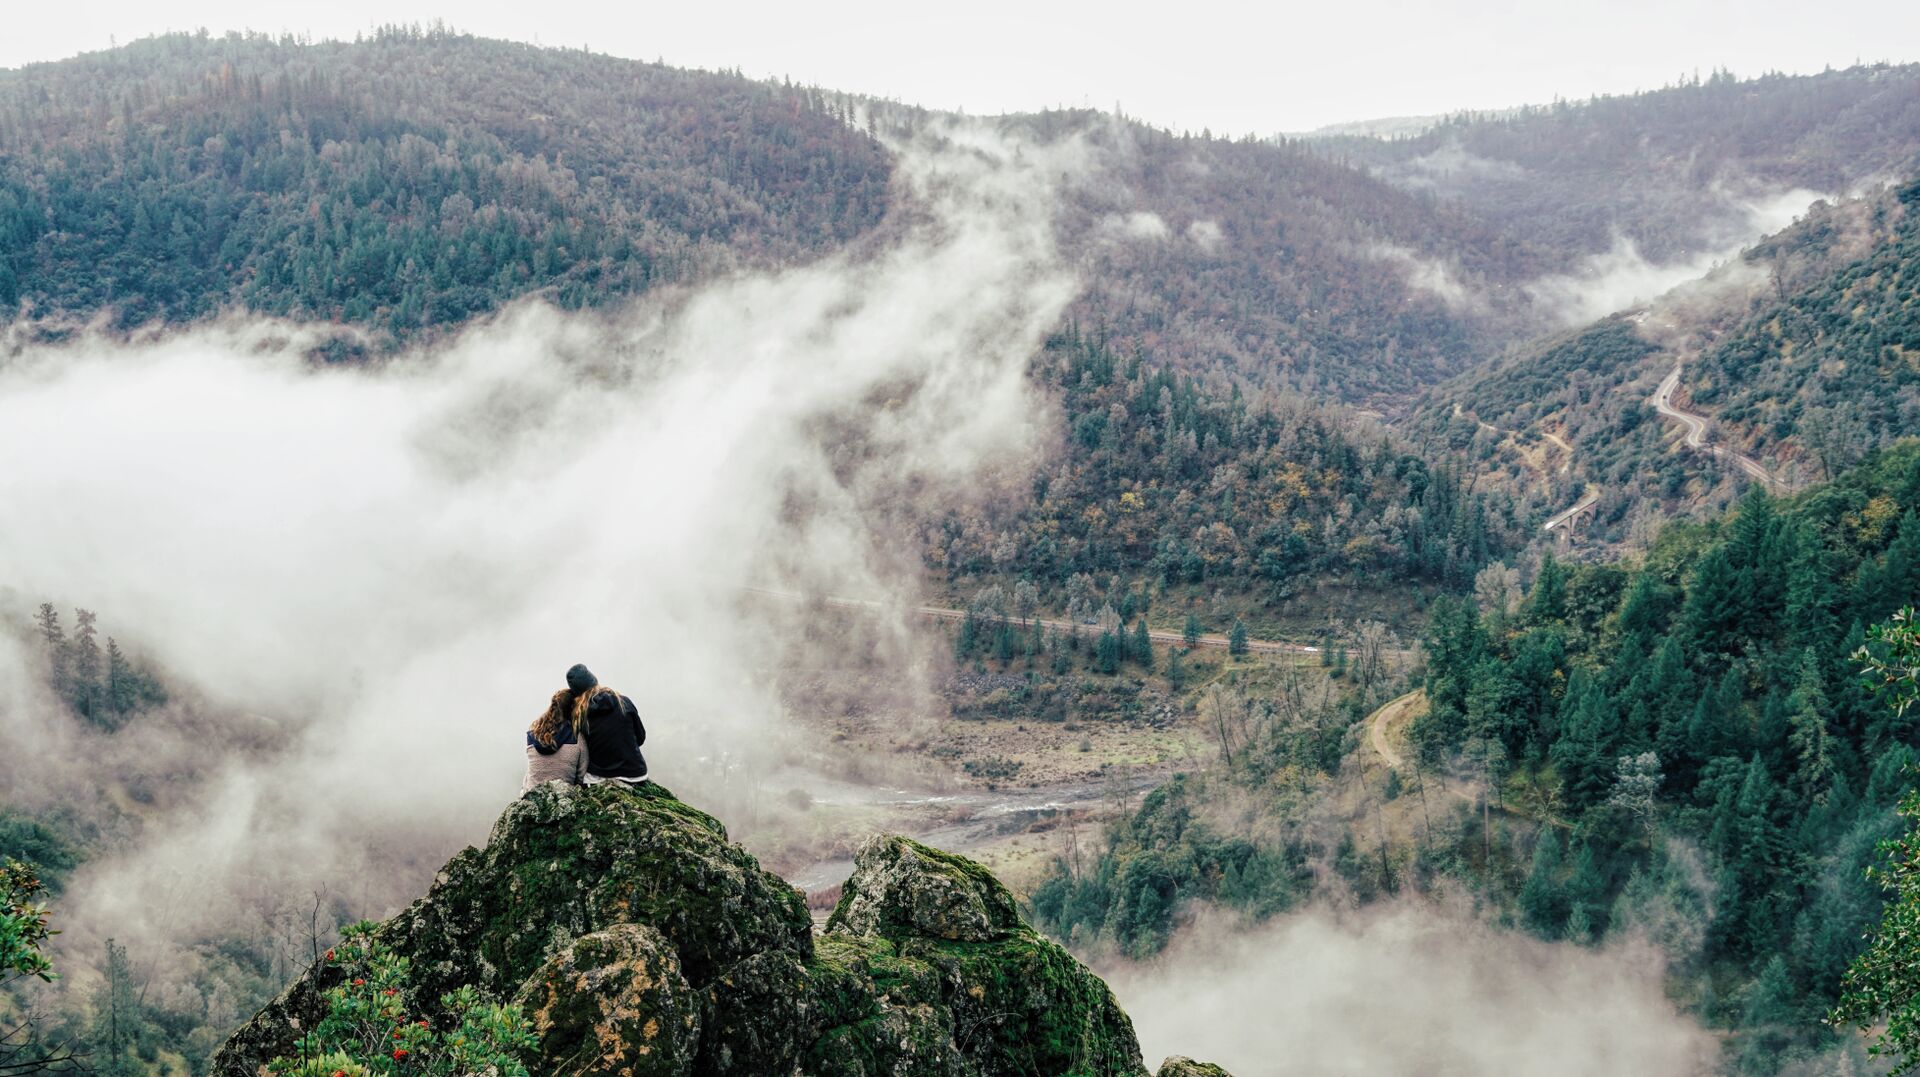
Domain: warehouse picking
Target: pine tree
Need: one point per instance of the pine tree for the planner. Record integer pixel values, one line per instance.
(1584, 751)
(1715, 609)
(1586, 896)
(1810, 739)
(86, 667)
(1812, 597)
(58, 652)
(120, 686)
(1643, 612)
(117, 1027)
(1190, 632)
(1142, 644)
(1543, 905)
(48, 620)
(1237, 639)
(1548, 599)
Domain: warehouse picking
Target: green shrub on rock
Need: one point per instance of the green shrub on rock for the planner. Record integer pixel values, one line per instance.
(370, 1029)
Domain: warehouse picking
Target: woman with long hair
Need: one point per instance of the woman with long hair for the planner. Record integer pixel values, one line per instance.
(557, 741)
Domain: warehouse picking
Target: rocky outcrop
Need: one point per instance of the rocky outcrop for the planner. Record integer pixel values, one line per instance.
(614, 1002)
(903, 888)
(643, 944)
(931, 967)
(1179, 1066)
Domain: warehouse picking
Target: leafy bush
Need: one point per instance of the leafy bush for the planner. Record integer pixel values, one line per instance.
(23, 924)
(370, 1031)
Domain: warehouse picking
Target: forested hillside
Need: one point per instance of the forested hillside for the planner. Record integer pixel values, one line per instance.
(422, 176)
(1189, 483)
(1275, 265)
(1673, 171)
(1678, 746)
(414, 179)
(1802, 352)
(1831, 371)
(1589, 389)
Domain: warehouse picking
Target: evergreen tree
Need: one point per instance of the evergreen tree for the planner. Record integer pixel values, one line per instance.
(1237, 639)
(1810, 741)
(1715, 610)
(1548, 599)
(1142, 645)
(1584, 751)
(1191, 631)
(58, 653)
(1176, 670)
(1586, 896)
(120, 679)
(117, 1030)
(86, 667)
(1543, 904)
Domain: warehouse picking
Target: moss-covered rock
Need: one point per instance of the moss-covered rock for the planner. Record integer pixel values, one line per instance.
(941, 932)
(1180, 1066)
(761, 1014)
(563, 862)
(901, 887)
(641, 942)
(613, 1004)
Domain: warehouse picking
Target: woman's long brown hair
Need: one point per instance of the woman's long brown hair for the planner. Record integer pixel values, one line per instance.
(565, 709)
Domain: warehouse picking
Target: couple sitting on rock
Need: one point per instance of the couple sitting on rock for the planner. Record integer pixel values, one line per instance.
(588, 734)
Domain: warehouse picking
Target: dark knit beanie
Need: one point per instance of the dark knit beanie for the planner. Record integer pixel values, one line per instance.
(580, 678)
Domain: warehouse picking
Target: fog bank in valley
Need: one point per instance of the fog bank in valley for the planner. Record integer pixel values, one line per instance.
(375, 574)
(1407, 990)
(1622, 277)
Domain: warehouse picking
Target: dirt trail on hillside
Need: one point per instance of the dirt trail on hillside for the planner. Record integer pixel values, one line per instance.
(1380, 734)
(1395, 710)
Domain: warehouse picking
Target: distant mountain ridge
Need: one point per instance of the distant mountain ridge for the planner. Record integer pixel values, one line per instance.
(418, 178)
(1669, 170)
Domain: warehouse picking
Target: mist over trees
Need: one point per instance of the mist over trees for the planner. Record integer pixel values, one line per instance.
(1678, 746)
(1673, 746)
(1670, 170)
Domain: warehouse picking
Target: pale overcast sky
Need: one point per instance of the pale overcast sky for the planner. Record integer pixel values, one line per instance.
(1232, 67)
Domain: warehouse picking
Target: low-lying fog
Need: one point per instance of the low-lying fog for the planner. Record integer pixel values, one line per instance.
(1406, 990)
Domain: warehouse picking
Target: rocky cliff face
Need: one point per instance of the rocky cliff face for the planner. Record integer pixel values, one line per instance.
(641, 943)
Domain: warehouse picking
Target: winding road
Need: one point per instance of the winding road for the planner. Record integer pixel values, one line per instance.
(1380, 736)
(1696, 431)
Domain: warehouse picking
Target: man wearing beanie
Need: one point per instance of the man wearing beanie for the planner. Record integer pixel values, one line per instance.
(614, 732)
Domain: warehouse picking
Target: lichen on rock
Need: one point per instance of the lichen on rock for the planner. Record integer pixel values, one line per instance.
(1181, 1066)
(903, 887)
(613, 1004)
(940, 931)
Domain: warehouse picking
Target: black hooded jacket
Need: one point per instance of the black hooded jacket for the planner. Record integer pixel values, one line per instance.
(614, 737)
